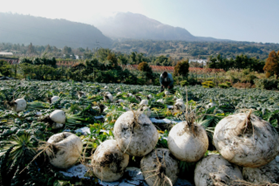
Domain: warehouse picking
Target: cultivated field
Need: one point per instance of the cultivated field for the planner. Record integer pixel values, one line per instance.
(23, 134)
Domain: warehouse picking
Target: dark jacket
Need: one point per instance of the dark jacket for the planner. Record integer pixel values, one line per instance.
(168, 81)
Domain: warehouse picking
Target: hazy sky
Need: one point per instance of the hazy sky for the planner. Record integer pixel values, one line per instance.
(241, 20)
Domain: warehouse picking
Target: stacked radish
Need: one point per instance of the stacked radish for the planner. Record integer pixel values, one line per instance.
(247, 140)
(268, 173)
(64, 149)
(159, 168)
(109, 162)
(188, 141)
(215, 170)
(135, 134)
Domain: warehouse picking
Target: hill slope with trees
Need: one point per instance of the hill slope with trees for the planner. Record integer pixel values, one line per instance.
(25, 29)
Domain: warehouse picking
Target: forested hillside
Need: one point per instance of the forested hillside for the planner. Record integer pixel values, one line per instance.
(184, 49)
(25, 29)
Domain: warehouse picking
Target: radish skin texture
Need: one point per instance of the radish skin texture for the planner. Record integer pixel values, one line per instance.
(58, 116)
(109, 162)
(145, 110)
(268, 173)
(67, 149)
(248, 147)
(179, 106)
(108, 97)
(144, 102)
(54, 98)
(162, 172)
(215, 170)
(185, 145)
(20, 105)
(135, 137)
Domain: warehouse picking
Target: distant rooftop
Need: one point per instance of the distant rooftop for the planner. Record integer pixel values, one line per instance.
(6, 53)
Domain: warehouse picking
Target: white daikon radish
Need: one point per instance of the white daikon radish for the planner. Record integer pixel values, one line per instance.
(109, 162)
(108, 97)
(18, 105)
(179, 106)
(143, 102)
(58, 116)
(65, 149)
(135, 134)
(215, 170)
(188, 141)
(246, 140)
(159, 168)
(54, 98)
(145, 110)
(268, 173)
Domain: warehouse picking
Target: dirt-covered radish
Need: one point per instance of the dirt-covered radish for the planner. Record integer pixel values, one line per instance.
(109, 162)
(146, 110)
(167, 93)
(108, 96)
(209, 105)
(81, 94)
(179, 106)
(18, 105)
(268, 173)
(188, 141)
(159, 168)
(215, 170)
(54, 98)
(143, 102)
(58, 116)
(149, 96)
(246, 140)
(135, 134)
(64, 150)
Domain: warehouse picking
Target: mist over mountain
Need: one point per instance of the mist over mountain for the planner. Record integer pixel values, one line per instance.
(26, 29)
(136, 26)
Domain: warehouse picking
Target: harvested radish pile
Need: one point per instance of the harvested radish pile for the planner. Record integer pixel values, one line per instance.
(109, 162)
(215, 170)
(188, 141)
(268, 173)
(159, 168)
(135, 134)
(246, 140)
(64, 149)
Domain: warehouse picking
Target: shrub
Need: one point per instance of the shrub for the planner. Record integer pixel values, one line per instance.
(268, 84)
(242, 85)
(223, 85)
(208, 84)
(184, 83)
(228, 83)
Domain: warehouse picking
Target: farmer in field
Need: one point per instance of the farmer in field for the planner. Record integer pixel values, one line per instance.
(166, 81)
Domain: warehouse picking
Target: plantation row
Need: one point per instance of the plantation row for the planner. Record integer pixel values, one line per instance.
(25, 154)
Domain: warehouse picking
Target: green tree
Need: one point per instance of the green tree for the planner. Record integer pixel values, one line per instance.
(5, 68)
(271, 66)
(147, 70)
(31, 49)
(112, 60)
(182, 68)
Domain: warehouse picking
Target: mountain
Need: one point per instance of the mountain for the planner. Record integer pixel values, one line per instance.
(26, 29)
(136, 26)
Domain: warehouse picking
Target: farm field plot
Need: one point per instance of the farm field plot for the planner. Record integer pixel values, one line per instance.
(90, 111)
